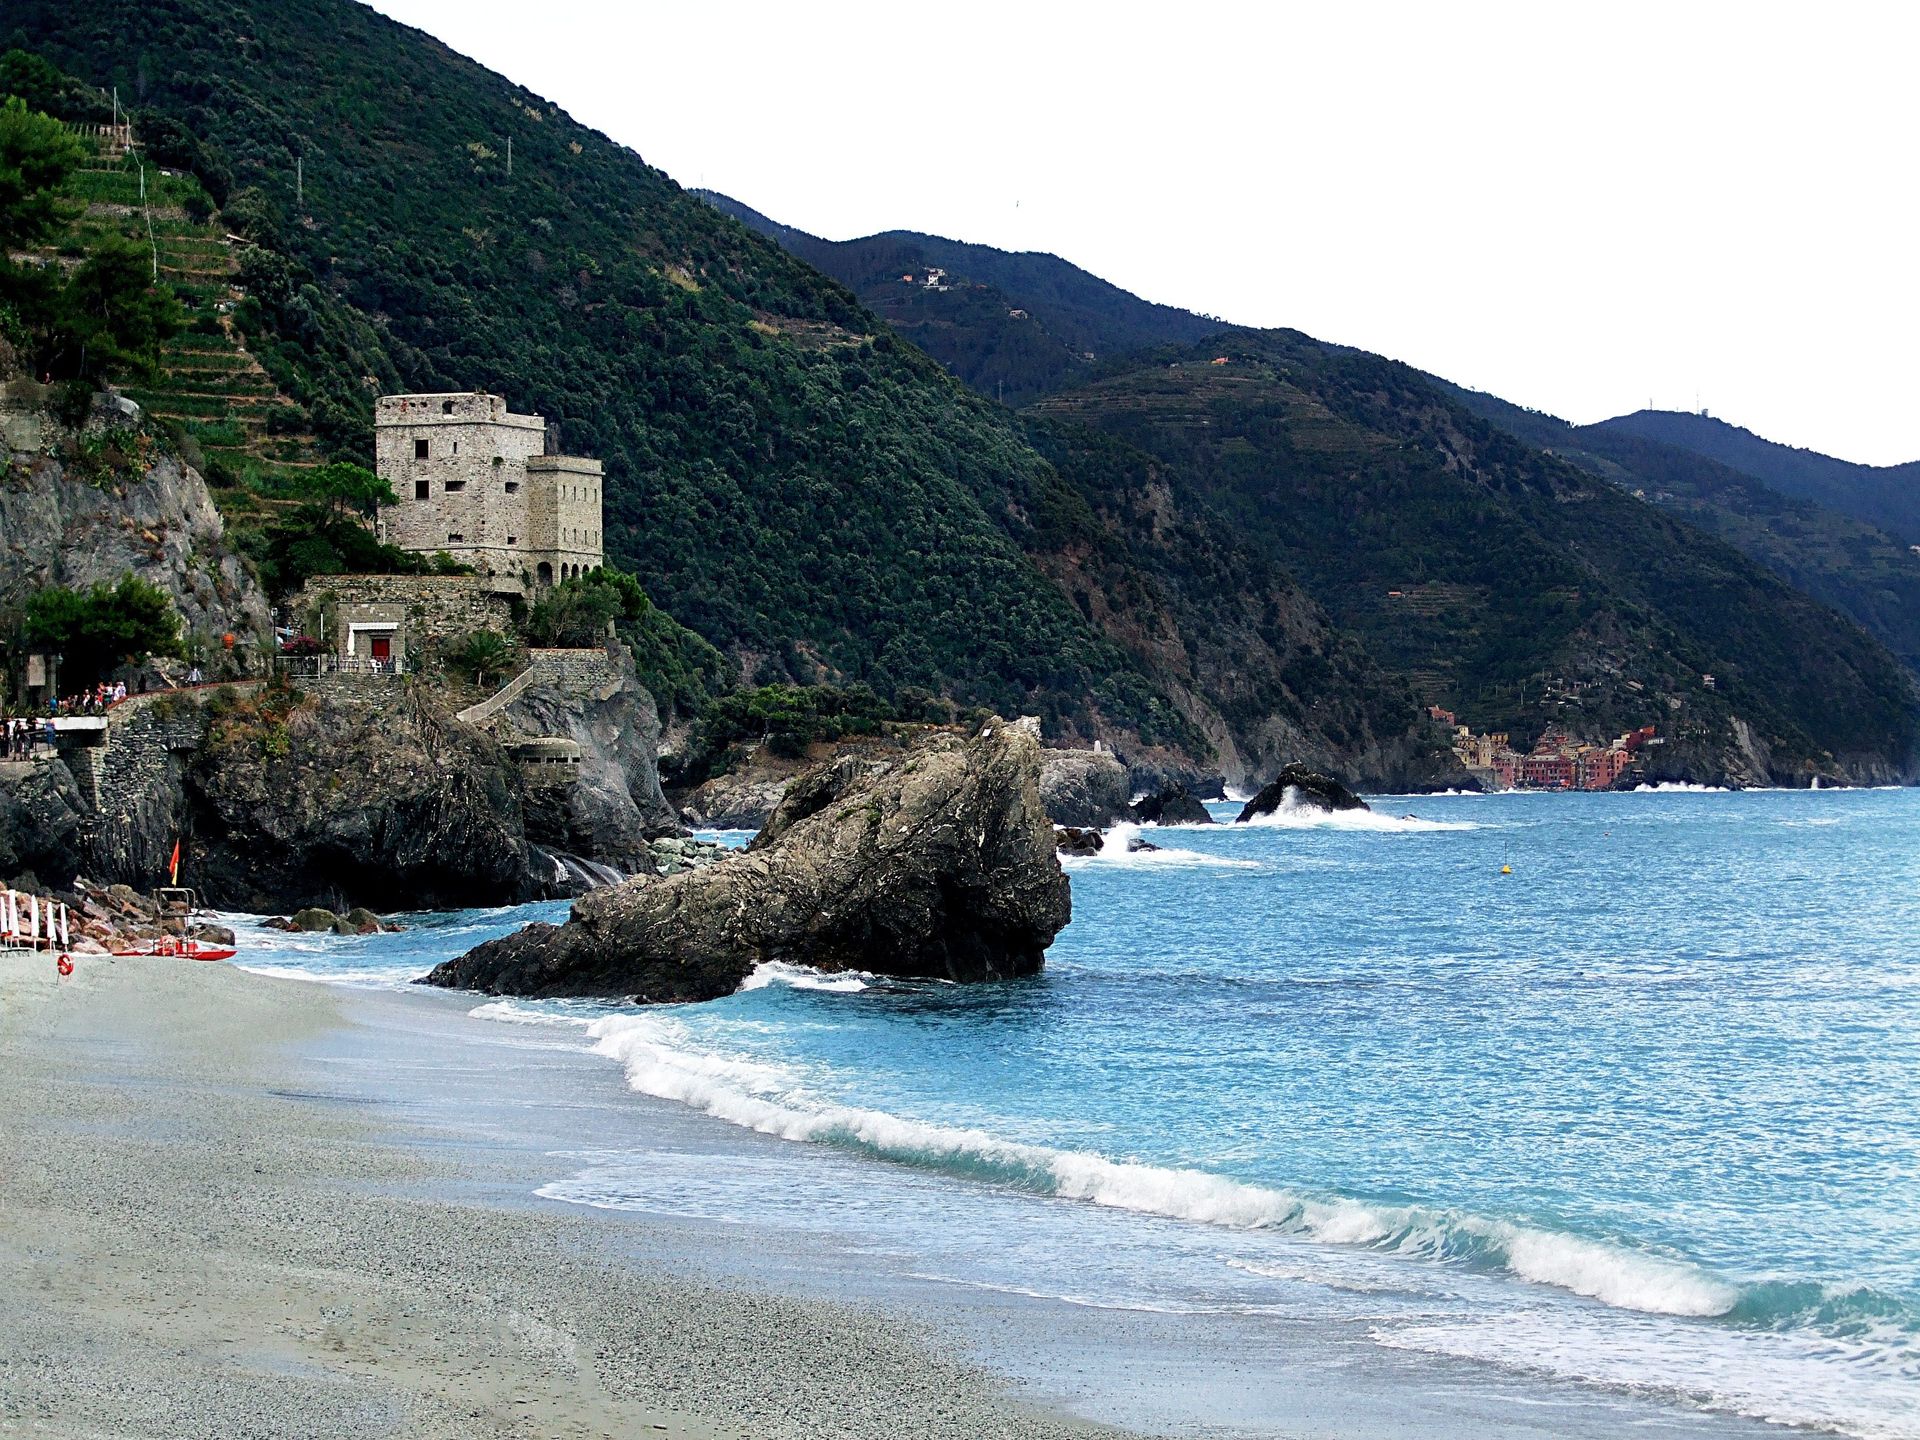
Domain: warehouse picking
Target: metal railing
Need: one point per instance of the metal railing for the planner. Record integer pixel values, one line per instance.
(314, 667)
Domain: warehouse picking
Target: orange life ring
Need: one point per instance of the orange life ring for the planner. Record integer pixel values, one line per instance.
(64, 964)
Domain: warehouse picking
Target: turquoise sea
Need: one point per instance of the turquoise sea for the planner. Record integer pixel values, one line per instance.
(1642, 1116)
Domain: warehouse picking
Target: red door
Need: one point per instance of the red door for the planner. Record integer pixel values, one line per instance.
(382, 647)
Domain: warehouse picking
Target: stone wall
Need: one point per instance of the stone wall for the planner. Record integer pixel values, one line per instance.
(423, 609)
(131, 783)
(592, 673)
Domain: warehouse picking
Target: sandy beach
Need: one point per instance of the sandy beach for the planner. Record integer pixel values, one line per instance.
(196, 1244)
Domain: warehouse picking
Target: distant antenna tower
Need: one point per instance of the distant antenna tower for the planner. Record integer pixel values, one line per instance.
(509, 157)
(299, 182)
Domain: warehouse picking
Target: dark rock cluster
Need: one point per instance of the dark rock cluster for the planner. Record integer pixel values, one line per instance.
(1307, 788)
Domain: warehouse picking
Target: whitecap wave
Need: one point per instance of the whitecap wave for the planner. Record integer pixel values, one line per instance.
(1290, 814)
(1116, 849)
(804, 977)
(770, 1100)
(1680, 787)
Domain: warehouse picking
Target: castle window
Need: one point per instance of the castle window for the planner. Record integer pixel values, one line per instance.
(446, 407)
(422, 489)
(419, 449)
(454, 538)
(453, 485)
(513, 539)
(513, 487)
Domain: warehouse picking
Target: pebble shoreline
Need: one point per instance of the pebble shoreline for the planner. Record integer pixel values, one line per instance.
(196, 1247)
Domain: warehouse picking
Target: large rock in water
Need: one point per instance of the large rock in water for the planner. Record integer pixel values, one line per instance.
(1308, 788)
(1085, 789)
(940, 865)
(1177, 806)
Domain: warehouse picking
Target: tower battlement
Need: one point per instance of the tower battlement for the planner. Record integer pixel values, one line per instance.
(473, 479)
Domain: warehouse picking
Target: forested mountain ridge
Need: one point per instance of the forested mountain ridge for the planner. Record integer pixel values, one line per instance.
(791, 481)
(1857, 568)
(1518, 664)
(819, 499)
(825, 502)
(1884, 496)
(1013, 325)
(1508, 585)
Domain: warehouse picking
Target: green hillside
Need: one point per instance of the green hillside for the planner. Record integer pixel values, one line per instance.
(1496, 580)
(1887, 497)
(1855, 567)
(249, 437)
(1013, 326)
(1163, 556)
(784, 476)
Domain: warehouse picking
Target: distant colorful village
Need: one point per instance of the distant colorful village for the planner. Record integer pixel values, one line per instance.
(1558, 761)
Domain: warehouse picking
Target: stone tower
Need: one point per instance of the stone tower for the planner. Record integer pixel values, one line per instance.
(474, 479)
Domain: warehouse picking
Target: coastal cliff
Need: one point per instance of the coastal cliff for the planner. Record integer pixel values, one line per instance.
(105, 498)
(614, 804)
(374, 796)
(939, 865)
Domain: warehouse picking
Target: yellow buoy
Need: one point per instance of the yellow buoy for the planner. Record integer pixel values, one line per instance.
(1506, 869)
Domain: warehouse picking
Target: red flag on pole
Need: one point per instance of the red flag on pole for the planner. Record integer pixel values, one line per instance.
(173, 866)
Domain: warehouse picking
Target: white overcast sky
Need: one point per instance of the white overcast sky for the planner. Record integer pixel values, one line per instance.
(1580, 207)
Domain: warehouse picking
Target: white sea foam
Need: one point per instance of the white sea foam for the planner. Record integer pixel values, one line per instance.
(376, 977)
(804, 977)
(1680, 787)
(1859, 1388)
(770, 1100)
(1292, 815)
(1115, 850)
(513, 1012)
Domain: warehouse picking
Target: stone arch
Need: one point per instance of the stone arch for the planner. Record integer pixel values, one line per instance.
(544, 574)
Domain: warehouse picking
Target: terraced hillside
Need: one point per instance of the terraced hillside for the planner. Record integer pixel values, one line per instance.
(248, 437)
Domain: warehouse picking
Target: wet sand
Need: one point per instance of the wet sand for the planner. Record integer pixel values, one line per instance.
(197, 1241)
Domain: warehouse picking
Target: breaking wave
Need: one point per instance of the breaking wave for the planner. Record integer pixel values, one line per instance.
(766, 1098)
(1115, 849)
(1292, 815)
(804, 977)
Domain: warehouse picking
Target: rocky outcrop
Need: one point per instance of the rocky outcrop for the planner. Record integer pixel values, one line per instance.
(108, 499)
(315, 920)
(744, 801)
(1084, 788)
(1297, 785)
(813, 792)
(1172, 807)
(1073, 840)
(941, 865)
(372, 795)
(42, 821)
(613, 806)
